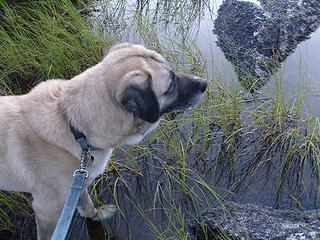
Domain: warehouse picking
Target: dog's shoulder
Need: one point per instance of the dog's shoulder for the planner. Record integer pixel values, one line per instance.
(49, 88)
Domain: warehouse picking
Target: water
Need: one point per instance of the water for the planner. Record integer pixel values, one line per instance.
(301, 70)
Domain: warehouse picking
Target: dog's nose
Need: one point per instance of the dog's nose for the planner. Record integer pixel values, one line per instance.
(202, 84)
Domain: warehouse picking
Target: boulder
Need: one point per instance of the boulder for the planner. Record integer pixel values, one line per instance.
(256, 39)
(251, 222)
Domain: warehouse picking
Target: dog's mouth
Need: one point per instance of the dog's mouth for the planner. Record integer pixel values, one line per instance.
(182, 106)
(188, 91)
(193, 101)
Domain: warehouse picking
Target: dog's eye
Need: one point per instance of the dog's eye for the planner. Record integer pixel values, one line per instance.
(172, 85)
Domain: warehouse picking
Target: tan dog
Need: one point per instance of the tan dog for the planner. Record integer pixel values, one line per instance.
(116, 102)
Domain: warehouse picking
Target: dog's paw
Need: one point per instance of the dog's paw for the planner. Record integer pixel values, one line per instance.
(105, 211)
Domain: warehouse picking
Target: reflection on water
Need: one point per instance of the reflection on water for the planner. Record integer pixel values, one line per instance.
(177, 18)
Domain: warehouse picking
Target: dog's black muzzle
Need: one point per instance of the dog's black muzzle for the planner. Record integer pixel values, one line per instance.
(189, 90)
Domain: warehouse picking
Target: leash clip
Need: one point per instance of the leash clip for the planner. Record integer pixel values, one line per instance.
(84, 163)
(81, 171)
(86, 159)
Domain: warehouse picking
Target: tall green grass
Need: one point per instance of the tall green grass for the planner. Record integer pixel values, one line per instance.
(45, 39)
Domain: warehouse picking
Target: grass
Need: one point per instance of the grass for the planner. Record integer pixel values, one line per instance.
(45, 39)
(12, 203)
(196, 159)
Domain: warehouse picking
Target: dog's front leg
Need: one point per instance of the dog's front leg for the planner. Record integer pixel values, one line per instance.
(86, 208)
(47, 207)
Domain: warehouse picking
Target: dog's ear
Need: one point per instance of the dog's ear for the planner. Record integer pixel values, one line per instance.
(141, 100)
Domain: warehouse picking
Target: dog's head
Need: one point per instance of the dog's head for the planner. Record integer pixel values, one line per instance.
(141, 86)
(149, 87)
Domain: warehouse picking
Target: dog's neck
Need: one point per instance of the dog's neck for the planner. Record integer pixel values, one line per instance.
(82, 108)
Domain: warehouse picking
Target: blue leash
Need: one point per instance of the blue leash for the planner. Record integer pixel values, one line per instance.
(79, 178)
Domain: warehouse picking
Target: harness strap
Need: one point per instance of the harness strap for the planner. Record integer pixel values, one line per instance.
(79, 178)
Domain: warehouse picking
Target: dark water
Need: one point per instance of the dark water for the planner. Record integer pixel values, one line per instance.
(193, 24)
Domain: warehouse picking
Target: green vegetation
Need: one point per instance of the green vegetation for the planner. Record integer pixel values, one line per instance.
(45, 39)
(228, 140)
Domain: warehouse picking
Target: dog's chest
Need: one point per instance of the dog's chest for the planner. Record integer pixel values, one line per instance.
(101, 158)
